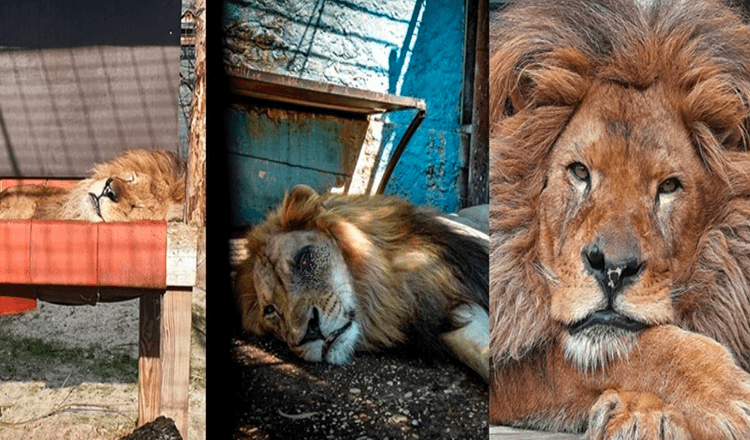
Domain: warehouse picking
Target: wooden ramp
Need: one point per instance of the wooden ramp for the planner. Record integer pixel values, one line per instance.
(506, 433)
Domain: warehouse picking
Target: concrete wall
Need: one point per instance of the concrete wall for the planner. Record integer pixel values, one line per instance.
(410, 48)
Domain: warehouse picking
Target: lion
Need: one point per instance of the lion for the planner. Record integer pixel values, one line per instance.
(139, 185)
(620, 219)
(333, 274)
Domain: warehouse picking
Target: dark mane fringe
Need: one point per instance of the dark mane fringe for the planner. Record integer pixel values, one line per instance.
(545, 56)
(163, 166)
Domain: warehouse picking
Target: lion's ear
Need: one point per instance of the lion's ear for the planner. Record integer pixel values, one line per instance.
(300, 206)
(520, 79)
(300, 193)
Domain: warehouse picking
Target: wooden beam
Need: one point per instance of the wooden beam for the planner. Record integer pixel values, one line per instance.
(164, 357)
(506, 433)
(176, 323)
(149, 361)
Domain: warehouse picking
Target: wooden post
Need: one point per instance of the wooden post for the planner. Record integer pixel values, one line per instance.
(195, 205)
(176, 322)
(149, 361)
(164, 358)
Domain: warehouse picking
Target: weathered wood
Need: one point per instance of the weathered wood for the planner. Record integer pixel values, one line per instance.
(164, 358)
(182, 251)
(506, 433)
(195, 205)
(149, 362)
(175, 356)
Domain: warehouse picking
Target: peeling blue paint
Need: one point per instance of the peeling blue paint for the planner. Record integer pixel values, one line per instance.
(411, 48)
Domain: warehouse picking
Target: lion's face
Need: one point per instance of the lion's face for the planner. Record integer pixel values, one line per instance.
(620, 219)
(128, 196)
(306, 296)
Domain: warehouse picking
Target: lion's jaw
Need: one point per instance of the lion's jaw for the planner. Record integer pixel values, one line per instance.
(618, 220)
(314, 308)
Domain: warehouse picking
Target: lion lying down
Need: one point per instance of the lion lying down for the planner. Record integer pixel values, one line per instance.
(330, 275)
(140, 185)
(620, 219)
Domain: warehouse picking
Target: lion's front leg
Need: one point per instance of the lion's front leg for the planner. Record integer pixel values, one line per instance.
(675, 385)
(470, 343)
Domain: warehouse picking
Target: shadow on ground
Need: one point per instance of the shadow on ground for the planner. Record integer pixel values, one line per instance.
(384, 395)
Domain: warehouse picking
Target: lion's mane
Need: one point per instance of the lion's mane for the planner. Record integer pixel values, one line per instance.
(165, 189)
(544, 57)
(398, 301)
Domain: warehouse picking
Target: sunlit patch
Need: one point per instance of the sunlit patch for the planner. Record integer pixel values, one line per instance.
(254, 356)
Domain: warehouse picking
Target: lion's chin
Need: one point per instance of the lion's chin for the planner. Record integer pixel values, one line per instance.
(595, 345)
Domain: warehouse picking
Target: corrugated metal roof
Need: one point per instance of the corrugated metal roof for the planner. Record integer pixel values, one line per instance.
(62, 110)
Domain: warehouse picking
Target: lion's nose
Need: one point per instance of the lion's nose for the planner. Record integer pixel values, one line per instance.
(313, 328)
(610, 271)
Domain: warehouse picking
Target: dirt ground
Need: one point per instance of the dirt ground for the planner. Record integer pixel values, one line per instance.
(390, 395)
(71, 372)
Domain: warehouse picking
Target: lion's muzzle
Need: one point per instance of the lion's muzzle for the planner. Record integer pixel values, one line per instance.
(608, 318)
(612, 270)
(314, 332)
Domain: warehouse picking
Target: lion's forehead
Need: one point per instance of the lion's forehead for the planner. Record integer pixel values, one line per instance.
(627, 133)
(281, 248)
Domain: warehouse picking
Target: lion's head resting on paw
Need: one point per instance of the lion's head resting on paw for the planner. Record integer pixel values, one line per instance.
(330, 274)
(619, 177)
(140, 185)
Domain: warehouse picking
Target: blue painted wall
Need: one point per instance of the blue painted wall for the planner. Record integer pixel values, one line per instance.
(410, 48)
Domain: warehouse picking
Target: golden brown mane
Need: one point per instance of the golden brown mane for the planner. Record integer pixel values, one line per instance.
(544, 58)
(409, 270)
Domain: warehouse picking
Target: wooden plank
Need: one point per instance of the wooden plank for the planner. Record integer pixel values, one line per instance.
(124, 247)
(149, 362)
(63, 252)
(507, 433)
(175, 356)
(15, 251)
(182, 254)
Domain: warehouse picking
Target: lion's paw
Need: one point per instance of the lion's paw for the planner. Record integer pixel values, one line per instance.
(635, 416)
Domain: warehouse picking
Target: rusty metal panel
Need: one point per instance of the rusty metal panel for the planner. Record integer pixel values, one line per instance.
(271, 150)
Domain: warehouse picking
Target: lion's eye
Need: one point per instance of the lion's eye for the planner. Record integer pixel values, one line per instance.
(669, 186)
(580, 171)
(109, 190)
(268, 310)
(303, 259)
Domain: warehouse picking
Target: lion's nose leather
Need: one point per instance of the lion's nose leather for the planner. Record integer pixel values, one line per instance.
(612, 271)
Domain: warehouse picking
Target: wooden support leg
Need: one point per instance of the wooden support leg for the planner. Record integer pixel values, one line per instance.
(149, 361)
(164, 363)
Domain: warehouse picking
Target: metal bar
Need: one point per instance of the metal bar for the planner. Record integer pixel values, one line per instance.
(415, 122)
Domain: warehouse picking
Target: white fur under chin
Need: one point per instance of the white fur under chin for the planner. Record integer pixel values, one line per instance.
(342, 350)
(594, 348)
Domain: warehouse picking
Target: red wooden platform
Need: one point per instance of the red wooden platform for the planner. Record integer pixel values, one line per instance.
(74, 262)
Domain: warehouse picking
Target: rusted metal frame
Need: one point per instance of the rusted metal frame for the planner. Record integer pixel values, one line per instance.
(290, 90)
(393, 160)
